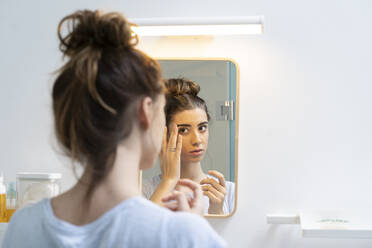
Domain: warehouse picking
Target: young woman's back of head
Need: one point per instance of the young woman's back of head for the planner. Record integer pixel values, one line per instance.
(96, 91)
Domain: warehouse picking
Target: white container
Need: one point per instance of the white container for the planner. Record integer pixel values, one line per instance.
(33, 187)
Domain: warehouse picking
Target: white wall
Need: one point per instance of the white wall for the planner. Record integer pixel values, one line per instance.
(305, 118)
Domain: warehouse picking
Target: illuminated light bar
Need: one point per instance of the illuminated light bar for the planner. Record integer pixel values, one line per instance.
(198, 26)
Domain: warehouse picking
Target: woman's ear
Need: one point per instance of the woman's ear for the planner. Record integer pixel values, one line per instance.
(146, 112)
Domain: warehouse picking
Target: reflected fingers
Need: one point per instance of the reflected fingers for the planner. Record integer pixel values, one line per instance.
(173, 137)
(218, 175)
(211, 189)
(164, 141)
(211, 196)
(214, 183)
(179, 144)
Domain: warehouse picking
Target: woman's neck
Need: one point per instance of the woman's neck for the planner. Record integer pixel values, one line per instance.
(121, 183)
(123, 180)
(192, 171)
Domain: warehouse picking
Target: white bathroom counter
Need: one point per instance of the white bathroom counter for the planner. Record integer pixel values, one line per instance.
(329, 224)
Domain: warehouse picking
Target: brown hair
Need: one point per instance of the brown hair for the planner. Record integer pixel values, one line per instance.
(182, 94)
(95, 92)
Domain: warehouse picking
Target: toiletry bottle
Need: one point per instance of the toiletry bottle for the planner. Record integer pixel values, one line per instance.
(10, 200)
(2, 199)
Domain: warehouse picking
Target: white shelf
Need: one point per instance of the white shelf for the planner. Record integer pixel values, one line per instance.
(336, 225)
(328, 224)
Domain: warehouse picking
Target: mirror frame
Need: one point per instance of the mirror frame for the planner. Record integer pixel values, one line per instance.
(236, 125)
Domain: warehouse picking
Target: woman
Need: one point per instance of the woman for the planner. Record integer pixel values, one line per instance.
(185, 109)
(108, 106)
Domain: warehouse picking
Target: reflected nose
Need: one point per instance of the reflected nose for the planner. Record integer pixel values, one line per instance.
(196, 139)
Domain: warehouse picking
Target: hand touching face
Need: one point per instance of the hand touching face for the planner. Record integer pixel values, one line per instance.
(193, 127)
(170, 154)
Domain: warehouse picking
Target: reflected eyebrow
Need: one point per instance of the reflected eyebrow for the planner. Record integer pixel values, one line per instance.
(188, 125)
(183, 125)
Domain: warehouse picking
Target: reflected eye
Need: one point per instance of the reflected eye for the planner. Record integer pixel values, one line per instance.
(183, 130)
(203, 128)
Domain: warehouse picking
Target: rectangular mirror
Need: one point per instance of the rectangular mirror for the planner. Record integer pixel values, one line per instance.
(218, 81)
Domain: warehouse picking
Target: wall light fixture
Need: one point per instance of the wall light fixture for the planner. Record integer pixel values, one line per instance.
(214, 26)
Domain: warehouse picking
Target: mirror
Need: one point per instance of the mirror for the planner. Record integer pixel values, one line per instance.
(218, 81)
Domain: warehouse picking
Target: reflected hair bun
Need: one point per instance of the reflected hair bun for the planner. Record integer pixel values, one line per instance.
(94, 29)
(182, 94)
(181, 86)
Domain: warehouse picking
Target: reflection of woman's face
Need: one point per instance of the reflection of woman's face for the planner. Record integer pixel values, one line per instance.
(193, 126)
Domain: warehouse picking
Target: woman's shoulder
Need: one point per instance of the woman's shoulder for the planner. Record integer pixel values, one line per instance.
(192, 229)
(178, 227)
(28, 213)
(23, 221)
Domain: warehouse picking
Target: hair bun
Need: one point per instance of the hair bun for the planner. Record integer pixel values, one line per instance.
(181, 86)
(92, 28)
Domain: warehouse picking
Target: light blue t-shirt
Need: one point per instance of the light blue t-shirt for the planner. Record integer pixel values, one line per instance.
(135, 222)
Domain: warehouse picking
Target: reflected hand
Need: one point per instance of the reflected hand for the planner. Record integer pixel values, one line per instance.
(170, 161)
(216, 192)
(180, 201)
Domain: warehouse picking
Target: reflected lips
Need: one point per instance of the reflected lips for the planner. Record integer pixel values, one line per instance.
(197, 152)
